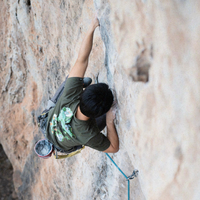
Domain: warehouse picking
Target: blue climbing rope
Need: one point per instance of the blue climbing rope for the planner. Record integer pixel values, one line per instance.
(128, 178)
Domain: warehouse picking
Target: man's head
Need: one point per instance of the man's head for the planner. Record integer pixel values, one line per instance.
(96, 100)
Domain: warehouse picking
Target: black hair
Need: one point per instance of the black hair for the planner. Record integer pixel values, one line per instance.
(96, 100)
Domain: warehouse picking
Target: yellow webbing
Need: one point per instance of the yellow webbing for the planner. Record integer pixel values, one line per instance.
(68, 155)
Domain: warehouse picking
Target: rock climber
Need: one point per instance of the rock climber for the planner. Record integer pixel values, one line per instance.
(77, 115)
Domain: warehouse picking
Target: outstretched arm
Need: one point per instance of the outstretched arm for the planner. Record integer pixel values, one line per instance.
(81, 64)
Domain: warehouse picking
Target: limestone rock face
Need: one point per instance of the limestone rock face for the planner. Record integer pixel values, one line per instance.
(148, 53)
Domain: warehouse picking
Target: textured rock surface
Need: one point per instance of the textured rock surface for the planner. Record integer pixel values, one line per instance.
(7, 190)
(153, 42)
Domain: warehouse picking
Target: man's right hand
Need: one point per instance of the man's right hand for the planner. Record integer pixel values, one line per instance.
(111, 114)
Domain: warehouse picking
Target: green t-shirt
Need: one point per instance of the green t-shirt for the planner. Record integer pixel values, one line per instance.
(76, 132)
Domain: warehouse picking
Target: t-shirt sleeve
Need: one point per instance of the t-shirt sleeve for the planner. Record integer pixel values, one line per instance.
(100, 142)
(73, 89)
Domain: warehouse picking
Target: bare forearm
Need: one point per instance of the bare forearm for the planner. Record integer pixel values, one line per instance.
(80, 66)
(112, 135)
(86, 46)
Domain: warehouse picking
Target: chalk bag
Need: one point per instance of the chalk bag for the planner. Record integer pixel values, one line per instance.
(43, 149)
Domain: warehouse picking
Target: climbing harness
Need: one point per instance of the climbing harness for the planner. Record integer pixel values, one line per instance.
(43, 144)
(56, 156)
(128, 178)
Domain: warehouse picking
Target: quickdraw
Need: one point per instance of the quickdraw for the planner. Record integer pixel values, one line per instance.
(128, 178)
